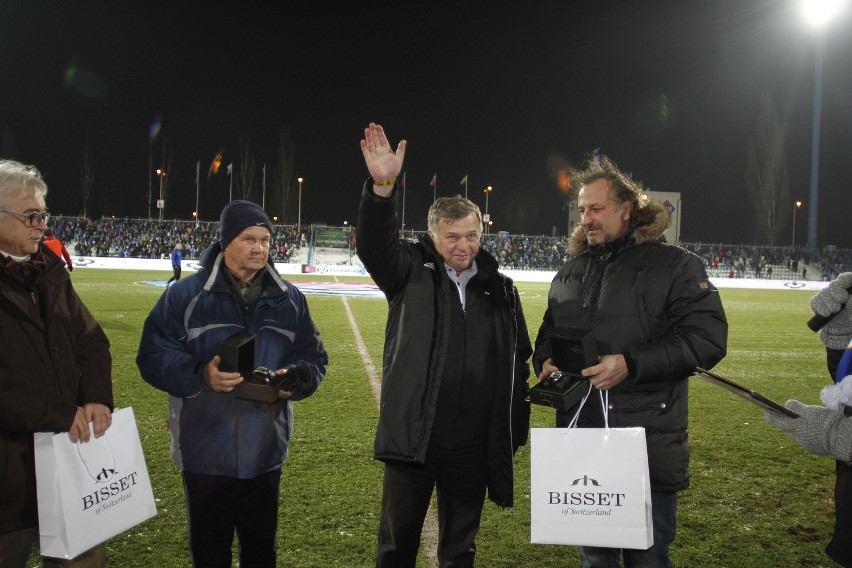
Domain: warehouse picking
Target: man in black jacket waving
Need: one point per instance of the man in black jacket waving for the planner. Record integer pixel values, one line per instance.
(453, 402)
(655, 316)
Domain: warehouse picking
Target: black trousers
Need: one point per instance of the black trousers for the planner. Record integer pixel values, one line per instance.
(175, 274)
(217, 506)
(460, 479)
(16, 547)
(840, 547)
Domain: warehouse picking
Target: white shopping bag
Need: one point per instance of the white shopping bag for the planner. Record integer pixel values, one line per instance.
(590, 487)
(89, 492)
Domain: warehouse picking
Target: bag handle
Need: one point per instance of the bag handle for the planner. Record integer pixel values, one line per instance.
(573, 422)
(604, 394)
(96, 457)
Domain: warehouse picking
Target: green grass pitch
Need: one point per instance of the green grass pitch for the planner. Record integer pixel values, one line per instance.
(756, 499)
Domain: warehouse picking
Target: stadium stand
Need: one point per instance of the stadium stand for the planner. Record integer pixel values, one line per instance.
(144, 238)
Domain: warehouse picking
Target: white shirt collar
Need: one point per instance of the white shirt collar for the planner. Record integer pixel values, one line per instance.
(24, 258)
(462, 279)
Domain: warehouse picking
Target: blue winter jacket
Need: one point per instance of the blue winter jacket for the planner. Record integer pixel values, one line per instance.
(216, 433)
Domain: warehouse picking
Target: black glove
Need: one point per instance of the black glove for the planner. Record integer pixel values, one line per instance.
(70, 268)
(297, 379)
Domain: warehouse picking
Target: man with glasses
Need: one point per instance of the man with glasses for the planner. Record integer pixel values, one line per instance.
(55, 365)
(33, 219)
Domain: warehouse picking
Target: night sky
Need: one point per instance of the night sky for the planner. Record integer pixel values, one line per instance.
(669, 90)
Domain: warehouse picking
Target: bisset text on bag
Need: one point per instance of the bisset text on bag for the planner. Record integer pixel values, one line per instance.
(111, 490)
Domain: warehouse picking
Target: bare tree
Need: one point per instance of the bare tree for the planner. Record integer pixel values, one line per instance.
(248, 168)
(87, 175)
(286, 179)
(767, 177)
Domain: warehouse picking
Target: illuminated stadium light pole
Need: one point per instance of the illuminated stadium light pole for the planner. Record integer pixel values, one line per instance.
(486, 217)
(818, 13)
(150, 178)
(197, 211)
(230, 182)
(346, 225)
(299, 222)
(161, 204)
(796, 205)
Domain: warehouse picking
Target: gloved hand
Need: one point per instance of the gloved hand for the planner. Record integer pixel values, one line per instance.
(298, 379)
(70, 268)
(830, 298)
(836, 333)
(818, 430)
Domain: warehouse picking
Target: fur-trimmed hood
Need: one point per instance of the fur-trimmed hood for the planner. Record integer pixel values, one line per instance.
(649, 224)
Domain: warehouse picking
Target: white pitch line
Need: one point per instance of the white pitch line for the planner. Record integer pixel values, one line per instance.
(429, 537)
(365, 356)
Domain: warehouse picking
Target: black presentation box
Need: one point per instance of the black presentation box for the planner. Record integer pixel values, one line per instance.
(237, 354)
(571, 350)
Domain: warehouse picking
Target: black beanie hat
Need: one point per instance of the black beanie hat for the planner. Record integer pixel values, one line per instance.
(236, 216)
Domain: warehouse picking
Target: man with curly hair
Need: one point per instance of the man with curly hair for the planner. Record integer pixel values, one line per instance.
(655, 316)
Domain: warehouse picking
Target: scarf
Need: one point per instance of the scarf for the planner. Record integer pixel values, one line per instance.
(24, 273)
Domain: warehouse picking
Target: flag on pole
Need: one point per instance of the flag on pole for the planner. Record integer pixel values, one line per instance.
(463, 180)
(216, 164)
(434, 181)
(197, 212)
(154, 129)
(402, 186)
(231, 169)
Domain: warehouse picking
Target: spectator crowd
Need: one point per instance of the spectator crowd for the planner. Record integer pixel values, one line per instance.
(143, 238)
(134, 238)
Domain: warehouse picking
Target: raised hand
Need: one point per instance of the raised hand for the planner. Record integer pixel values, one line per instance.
(383, 163)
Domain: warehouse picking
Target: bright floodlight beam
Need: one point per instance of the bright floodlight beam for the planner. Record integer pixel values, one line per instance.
(818, 13)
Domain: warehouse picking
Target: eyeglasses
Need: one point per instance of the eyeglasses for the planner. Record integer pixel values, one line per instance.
(34, 219)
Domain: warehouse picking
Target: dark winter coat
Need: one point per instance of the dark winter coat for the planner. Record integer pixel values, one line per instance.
(657, 307)
(49, 366)
(413, 278)
(216, 433)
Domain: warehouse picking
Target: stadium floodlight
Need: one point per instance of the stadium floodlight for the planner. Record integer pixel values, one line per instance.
(299, 222)
(161, 204)
(796, 205)
(487, 217)
(818, 13)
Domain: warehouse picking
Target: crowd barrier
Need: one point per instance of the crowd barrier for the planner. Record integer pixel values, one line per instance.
(355, 270)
